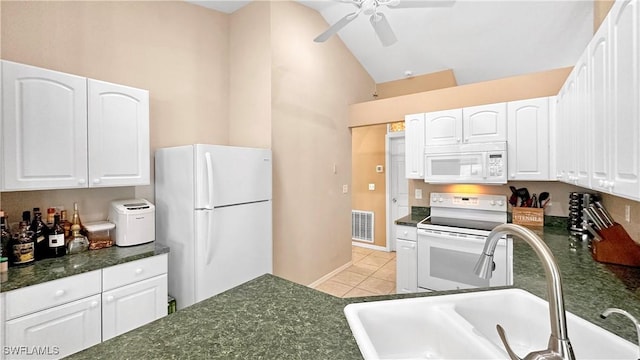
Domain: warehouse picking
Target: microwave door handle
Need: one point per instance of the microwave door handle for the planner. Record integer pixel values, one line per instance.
(485, 170)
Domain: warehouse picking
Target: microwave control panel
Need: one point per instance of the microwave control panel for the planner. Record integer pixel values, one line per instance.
(496, 165)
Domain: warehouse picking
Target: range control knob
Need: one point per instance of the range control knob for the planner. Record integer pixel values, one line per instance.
(500, 202)
(492, 203)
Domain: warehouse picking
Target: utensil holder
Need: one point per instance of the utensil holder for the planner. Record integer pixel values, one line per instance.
(532, 217)
(616, 247)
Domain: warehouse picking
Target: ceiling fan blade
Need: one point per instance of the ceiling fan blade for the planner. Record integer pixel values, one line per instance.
(406, 4)
(336, 27)
(383, 29)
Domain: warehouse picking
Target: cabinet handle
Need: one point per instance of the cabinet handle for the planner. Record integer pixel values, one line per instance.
(138, 271)
(458, 139)
(110, 298)
(96, 181)
(81, 181)
(513, 175)
(60, 293)
(94, 304)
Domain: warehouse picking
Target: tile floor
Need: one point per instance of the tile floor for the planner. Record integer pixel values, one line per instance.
(372, 273)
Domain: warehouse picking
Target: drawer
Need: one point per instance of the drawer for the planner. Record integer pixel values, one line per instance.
(52, 293)
(406, 233)
(134, 271)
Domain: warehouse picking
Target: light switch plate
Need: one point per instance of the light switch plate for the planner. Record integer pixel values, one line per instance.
(418, 194)
(345, 188)
(372, 187)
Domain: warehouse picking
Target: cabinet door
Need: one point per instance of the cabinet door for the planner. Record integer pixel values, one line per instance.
(118, 128)
(44, 123)
(414, 146)
(625, 93)
(443, 127)
(484, 123)
(528, 139)
(55, 332)
(566, 139)
(406, 266)
(131, 306)
(582, 122)
(599, 99)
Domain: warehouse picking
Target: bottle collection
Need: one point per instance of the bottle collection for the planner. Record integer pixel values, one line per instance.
(36, 238)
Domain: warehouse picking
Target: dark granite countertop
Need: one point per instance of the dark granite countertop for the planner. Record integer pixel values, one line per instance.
(56, 268)
(272, 318)
(417, 214)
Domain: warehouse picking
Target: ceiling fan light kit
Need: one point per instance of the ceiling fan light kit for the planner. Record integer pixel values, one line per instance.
(377, 19)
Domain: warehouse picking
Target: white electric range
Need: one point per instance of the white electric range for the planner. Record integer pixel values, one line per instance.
(451, 240)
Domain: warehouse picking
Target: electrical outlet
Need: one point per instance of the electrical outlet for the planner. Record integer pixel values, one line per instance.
(418, 194)
(345, 189)
(372, 187)
(627, 213)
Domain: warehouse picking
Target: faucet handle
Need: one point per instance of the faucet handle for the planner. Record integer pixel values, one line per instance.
(503, 337)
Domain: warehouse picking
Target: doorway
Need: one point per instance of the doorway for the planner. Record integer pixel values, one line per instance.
(397, 185)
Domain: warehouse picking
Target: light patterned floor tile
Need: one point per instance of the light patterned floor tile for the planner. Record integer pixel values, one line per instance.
(334, 288)
(349, 278)
(373, 261)
(377, 286)
(361, 250)
(383, 254)
(355, 257)
(355, 292)
(384, 274)
(362, 269)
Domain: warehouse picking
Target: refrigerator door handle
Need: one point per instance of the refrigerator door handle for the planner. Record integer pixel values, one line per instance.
(209, 237)
(207, 157)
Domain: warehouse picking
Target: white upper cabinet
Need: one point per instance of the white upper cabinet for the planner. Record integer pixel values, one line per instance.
(528, 139)
(599, 63)
(414, 146)
(443, 127)
(625, 92)
(118, 135)
(484, 123)
(44, 123)
(581, 123)
(58, 132)
(476, 124)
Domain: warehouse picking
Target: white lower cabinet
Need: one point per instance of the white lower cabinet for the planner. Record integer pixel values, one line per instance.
(60, 317)
(406, 259)
(56, 332)
(132, 306)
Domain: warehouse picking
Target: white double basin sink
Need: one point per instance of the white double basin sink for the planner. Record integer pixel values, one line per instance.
(463, 326)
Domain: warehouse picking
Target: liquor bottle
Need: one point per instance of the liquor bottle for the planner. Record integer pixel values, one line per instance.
(66, 225)
(26, 216)
(51, 212)
(76, 220)
(23, 246)
(77, 242)
(5, 235)
(56, 239)
(40, 233)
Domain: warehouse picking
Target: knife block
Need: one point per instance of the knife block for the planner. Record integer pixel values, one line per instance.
(616, 247)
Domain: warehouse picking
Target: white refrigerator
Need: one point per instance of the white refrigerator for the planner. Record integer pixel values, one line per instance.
(213, 209)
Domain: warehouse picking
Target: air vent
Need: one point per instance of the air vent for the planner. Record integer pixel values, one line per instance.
(362, 225)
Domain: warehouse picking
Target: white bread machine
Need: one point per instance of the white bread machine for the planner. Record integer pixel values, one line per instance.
(135, 221)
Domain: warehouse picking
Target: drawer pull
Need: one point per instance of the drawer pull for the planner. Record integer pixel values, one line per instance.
(60, 293)
(138, 271)
(110, 298)
(94, 304)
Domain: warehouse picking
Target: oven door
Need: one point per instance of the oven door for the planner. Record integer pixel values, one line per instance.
(446, 261)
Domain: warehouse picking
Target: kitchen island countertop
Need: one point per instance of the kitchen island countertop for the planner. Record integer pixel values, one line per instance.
(272, 318)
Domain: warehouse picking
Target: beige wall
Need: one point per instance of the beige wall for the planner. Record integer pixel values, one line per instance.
(312, 84)
(250, 75)
(527, 86)
(175, 50)
(367, 151)
(415, 84)
(600, 10)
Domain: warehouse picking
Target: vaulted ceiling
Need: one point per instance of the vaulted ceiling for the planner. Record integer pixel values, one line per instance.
(478, 39)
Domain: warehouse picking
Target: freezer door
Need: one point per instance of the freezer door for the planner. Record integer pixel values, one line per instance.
(227, 175)
(234, 245)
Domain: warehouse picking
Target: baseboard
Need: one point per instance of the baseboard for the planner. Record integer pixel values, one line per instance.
(330, 275)
(372, 247)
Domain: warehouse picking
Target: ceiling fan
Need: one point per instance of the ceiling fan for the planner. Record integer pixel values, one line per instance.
(378, 20)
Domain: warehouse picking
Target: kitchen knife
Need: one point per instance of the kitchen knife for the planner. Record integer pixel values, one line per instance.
(605, 213)
(596, 213)
(587, 214)
(591, 231)
(534, 201)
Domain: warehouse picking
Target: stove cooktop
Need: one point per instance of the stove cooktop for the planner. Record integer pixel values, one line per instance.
(458, 224)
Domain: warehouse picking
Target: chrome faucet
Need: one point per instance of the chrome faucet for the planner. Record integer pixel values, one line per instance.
(610, 311)
(559, 344)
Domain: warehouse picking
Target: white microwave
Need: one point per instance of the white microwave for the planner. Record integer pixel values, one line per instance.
(481, 163)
